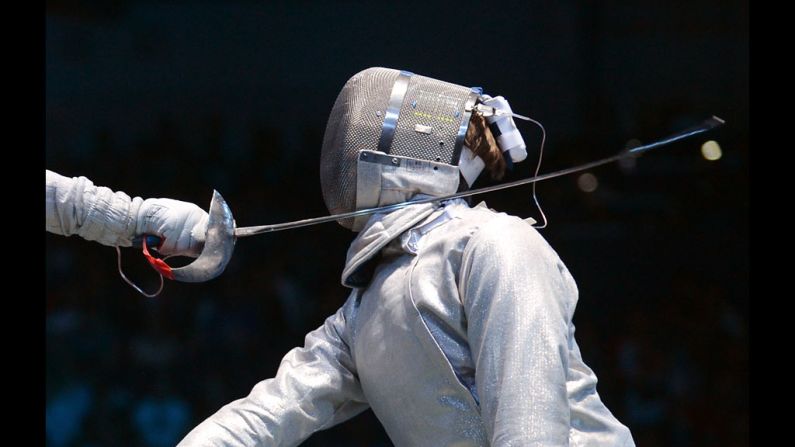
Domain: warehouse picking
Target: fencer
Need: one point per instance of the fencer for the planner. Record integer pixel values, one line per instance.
(458, 327)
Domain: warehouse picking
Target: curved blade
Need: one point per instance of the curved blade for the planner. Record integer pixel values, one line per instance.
(218, 245)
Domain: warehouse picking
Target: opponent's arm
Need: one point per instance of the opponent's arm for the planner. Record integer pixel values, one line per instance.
(75, 206)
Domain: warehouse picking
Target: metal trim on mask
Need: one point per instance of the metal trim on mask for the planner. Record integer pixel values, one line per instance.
(462, 129)
(393, 110)
(375, 157)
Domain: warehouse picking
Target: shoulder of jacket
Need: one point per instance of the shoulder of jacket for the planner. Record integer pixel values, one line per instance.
(494, 224)
(506, 233)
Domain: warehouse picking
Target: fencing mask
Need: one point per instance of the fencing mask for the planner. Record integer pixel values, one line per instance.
(391, 135)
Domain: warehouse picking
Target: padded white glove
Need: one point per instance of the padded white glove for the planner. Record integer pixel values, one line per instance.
(95, 213)
(181, 225)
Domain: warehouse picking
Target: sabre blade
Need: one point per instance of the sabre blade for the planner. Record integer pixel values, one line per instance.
(706, 125)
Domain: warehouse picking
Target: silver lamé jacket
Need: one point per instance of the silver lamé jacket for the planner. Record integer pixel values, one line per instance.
(458, 332)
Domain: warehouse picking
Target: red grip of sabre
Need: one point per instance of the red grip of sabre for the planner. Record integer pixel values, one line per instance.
(157, 264)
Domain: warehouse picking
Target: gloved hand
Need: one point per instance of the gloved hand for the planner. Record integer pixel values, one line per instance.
(181, 225)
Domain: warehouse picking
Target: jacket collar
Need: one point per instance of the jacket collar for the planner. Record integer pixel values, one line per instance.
(409, 224)
(379, 230)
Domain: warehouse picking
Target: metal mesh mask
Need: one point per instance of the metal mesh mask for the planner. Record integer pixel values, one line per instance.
(396, 113)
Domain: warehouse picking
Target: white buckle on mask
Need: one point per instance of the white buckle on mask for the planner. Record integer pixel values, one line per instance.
(470, 165)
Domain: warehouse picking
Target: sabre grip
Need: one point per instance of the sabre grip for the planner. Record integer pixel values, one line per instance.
(158, 264)
(151, 241)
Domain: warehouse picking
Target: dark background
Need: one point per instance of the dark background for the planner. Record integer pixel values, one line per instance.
(173, 100)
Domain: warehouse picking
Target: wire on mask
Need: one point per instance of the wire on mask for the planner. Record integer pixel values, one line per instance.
(540, 157)
(538, 167)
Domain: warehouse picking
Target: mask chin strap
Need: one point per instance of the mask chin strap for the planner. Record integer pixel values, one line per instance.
(499, 115)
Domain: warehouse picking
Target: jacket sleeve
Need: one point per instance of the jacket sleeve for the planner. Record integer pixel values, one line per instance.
(315, 388)
(518, 299)
(75, 206)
